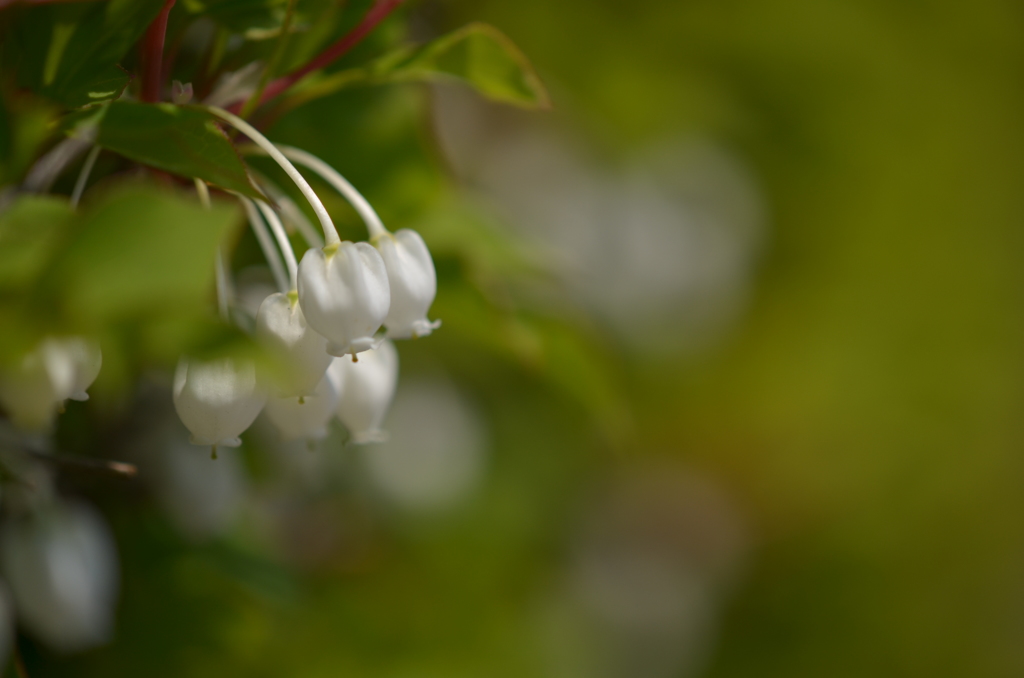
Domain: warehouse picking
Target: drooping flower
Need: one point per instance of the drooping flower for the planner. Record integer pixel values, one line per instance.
(281, 324)
(344, 295)
(413, 283)
(63, 571)
(33, 389)
(309, 417)
(411, 275)
(369, 387)
(86, 359)
(217, 400)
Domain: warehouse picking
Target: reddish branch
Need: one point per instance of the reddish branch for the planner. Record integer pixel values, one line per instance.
(152, 53)
(374, 16)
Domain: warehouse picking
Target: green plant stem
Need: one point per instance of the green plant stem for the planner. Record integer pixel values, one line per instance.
(374, 16)
(275, 57)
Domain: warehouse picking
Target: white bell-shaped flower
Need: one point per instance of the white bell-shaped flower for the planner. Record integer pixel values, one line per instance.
(308, 418)
(344, 295)
(281, 324)
(63, 571)
(86, 359)
(33, 390)
(369, 386)
(413, 283)
(217, 400)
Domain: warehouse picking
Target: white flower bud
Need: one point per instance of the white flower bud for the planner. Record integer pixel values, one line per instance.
(366, 396)
(413, 284)
(63, 571)
(217, 400)
(32, 391)
(282, 326)
(308, 418)
(344, 295)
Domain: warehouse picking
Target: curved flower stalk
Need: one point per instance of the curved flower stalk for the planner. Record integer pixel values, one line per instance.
(83, 175)
(289, 210)
(308, 419)
(411, 275)
(330, 233)
(343, 288)
(217, 400)
(369, 386)
(266, 243)
(33, 390)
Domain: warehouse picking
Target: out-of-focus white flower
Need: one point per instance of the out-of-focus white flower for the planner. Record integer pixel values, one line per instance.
(253, 285)
(86, 360)
(413, 283)
(201, 499)
(344, 295)
(308, 417)
(217, 400)
(369, 387)
(281, 324)
(63, 571)
(437, 449)
(663, 249)
(59, 368)
(236, 85)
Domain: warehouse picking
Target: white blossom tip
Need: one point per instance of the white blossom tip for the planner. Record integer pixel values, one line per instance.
(355, 346)
(416, 330)
(223, 442)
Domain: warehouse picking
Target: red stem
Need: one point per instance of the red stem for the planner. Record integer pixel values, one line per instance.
(152, 55)
(374, 16)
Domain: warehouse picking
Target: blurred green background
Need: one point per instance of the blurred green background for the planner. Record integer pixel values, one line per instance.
(735, 333)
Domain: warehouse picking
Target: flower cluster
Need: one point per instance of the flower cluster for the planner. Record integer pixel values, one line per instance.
(331, 327)
(330, 324)
(34, 389)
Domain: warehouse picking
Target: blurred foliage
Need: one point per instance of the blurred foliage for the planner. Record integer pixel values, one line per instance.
(867, 407)
(184, 140)
(863, 412)
(70, 51)
(476, 54)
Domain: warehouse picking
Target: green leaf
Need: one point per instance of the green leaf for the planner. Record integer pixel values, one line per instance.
(139, 252)
(30, 231)
(183, 140)
(26, 122)
(70, 51)
(477, 54)
(257, 19)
